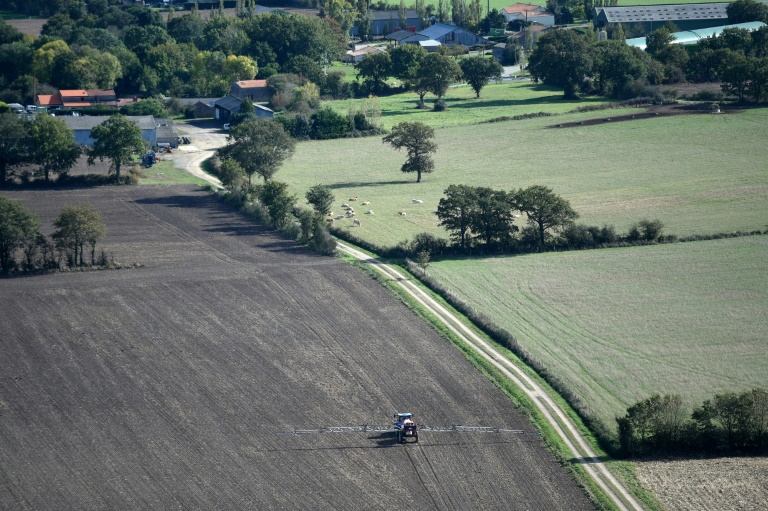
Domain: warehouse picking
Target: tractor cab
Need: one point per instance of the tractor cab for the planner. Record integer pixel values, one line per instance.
(406, 427)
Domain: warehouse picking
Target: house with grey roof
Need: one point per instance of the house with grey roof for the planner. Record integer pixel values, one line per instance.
(652, 17)
(447, 35)
(225, 107)
(82, 126)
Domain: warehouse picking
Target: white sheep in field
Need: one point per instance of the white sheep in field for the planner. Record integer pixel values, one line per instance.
(418, 201)
(366, 203)
(345, 205)
(356, 222)
(338, 217)
(350, 215)
(402, 213)
(369, 212)
(330, 214)
(353, 199)
(350, 210)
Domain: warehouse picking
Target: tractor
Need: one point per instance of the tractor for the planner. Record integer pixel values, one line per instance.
(406, 427)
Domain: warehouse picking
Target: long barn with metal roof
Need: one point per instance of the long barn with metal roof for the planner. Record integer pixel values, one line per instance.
(651, 17)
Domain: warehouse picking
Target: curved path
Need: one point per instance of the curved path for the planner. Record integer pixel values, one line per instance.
(562, 424)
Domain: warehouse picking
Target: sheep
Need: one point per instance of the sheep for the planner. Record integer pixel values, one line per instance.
(338, 217)
(330, 213)
(345, 205)
(366, 203)
(350, 215)
(329, 221)
(369, 212)
(402, 213)
(418, 201)
(356, 222)
(352, 199)
(350, 210)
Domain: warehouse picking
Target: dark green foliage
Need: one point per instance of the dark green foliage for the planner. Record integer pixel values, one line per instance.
(53, 146)
(15, 148)
(646, 230)
(479, 70)
(76, 227)
(374, 70)
(116, 139)
(562, 58)
(545, 210)
(149, 106)
(259, 146)
(418, 140)
(729, 423)
(743, 11)
(17, 227)
(278, 201)
(327, 124)
(321, 198)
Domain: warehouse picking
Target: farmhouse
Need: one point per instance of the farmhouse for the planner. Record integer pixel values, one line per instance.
(528, 12)
(82, 126)
(384, 22)
(255, 90)
(356, 55)
(225, 107)
(81, 98)
(447, 35)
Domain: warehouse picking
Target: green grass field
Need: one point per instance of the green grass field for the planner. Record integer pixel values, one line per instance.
(698, 174)
(618, 325)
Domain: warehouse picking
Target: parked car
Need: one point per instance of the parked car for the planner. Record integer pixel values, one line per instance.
(226, 127)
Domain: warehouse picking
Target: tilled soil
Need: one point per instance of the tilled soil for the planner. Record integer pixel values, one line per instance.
(167, 385)
(719, 484)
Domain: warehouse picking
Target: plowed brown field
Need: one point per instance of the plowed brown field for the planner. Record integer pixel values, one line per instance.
(166, 386)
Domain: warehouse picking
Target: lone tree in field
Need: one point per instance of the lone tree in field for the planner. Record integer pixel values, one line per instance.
(76, 226)
(544, 209)
(14, 144)
(259, 146)
(417, 138)
(116, 139)
(436, 73)
(320, 198)
(53, 145)
(479, 70)
(17, 227)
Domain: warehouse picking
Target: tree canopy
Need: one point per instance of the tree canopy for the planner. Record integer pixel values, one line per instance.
(259, 146)
(562, 58)
(418, 140)
(544, 209)
(53, 145)
(116, 139)
(17, 226)
(76, 226)
(478, 71)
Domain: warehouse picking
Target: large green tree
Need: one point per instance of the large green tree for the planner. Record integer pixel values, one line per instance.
(406, 60)
(479, 70)
(374, 70)
(320, 197)
(455, 212)
(116, 139)
(14, 144)
(53, 145)
(562, 58)
(437, 72)
(545, 210)
(259, 146)
(491, 220)
(418, 140)
(76, 226)
(17, 227)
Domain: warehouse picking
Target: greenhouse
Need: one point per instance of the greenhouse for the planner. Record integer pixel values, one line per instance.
(694, 36)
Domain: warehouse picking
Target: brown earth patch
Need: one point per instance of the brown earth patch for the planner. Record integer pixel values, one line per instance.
(718, 484)
(650, 113)
(168, 386)
(31, 27)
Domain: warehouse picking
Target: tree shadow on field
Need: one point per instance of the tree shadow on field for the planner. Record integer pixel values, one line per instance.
(186, 201)
(590, 461)
(362, 184)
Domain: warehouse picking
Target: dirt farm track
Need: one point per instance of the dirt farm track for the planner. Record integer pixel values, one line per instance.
(167, 385)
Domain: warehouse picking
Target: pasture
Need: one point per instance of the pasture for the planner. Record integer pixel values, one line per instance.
(168, 385)
(621, 324)
(698, 174)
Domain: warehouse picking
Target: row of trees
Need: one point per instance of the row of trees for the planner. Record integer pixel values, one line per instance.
(47, 144)
(425, 72)
(483, 216)
(78, 230)
(731, 422)
(579, 63)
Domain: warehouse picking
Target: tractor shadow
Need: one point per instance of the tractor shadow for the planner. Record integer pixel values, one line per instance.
(385, 439)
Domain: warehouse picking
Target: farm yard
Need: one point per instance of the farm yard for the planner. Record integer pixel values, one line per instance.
(168, 384)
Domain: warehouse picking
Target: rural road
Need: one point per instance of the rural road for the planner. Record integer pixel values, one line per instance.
(565, 428)
(206, 137)
(209, 140)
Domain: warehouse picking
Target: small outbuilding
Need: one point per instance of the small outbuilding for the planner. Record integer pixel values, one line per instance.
(255, 90)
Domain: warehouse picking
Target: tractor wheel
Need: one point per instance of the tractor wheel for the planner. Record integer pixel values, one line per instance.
(417, 438)
(400, 436)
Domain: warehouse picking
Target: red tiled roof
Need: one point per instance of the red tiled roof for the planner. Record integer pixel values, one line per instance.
(79, 104)
(48, 99)
(74, 93)
(247, 84)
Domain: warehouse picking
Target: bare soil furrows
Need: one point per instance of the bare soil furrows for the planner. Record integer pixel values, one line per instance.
(167, 385)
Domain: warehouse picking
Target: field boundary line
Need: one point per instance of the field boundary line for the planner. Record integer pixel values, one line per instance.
(551, 410)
